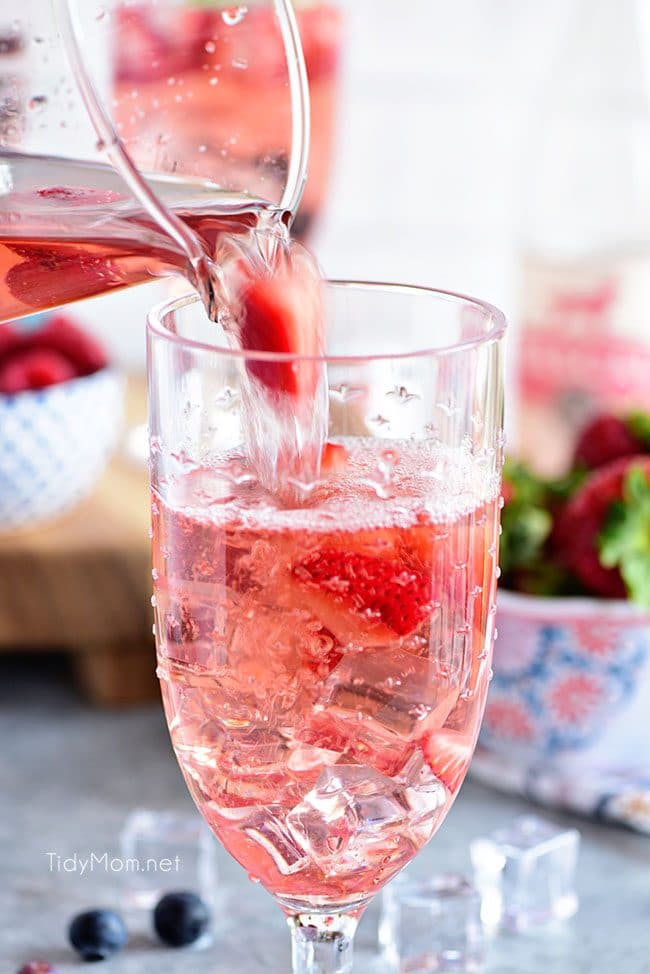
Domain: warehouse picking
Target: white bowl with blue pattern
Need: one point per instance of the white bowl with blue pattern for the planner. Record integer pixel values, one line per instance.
(566, 721)
(55, 444)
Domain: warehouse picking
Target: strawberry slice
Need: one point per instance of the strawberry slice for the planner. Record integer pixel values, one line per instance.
(34, 368)
(365, 585)
(333, 459)
(448, 754)
(283, 313)
(49, 275)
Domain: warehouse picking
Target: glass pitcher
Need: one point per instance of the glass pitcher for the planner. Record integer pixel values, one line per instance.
(168, 151)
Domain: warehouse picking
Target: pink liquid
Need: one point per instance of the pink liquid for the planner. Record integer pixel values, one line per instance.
(324, 669)
(81, 236)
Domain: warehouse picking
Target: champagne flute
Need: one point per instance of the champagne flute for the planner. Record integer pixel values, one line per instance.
(324, 663)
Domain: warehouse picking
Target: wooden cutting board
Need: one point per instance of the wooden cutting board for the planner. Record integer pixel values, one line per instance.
(82, 584)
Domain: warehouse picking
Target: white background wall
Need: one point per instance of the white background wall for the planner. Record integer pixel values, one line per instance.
(436, 96)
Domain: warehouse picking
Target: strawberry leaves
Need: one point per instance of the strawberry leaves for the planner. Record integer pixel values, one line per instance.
(527, 524)
(639, 425)
(624, 542)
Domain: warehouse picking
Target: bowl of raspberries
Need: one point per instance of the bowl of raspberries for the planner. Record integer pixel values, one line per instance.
(566, 719)
(60, 417)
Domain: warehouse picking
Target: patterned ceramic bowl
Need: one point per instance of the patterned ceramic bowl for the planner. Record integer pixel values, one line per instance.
(567, 715)
(55, 444)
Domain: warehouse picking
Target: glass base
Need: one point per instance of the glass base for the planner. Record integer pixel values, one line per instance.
(321, 943)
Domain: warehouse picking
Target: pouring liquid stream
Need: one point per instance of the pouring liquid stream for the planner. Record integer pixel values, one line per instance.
(86, 236)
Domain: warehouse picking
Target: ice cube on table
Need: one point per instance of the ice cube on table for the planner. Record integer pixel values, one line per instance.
(351, 815)
(525, 873)
(430, 926)
(149, 837)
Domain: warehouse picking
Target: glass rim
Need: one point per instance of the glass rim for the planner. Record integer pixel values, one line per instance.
(494, 333)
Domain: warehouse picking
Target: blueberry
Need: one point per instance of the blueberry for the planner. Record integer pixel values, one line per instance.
(180, 919)
(37, 967)
(97, 934)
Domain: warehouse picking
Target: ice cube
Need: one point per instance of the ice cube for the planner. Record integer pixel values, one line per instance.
(153, 836)
(238, 766)
(305, 758)
(526, 872)
(349, 817)
(424, 794)
(396, 690)
(265, 826)
(431, 926)
(376, 703)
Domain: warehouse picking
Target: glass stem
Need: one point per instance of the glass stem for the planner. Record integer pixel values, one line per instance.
(321, 943)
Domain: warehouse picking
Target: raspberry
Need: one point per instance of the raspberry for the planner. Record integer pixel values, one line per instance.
(62, 334)
(34, 368)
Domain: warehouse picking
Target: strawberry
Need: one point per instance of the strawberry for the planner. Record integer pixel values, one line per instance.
(607, 438)
(282, 312)
(576, 536)
(34, 368)
(448, 754)
(381, 590)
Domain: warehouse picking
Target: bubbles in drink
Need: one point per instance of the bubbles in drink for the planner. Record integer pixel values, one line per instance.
(234, 15)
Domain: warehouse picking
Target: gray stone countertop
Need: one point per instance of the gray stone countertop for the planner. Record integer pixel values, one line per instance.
(69, 775)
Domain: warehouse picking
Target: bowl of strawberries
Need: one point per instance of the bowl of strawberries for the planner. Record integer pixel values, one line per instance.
(60, 417)
(566, 719)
